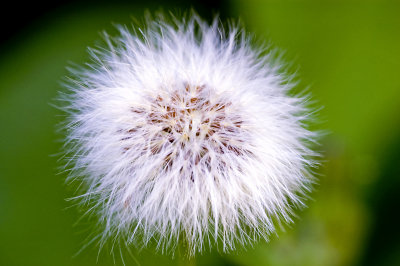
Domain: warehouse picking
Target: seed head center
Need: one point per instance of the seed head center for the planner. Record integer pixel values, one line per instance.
(189, 124)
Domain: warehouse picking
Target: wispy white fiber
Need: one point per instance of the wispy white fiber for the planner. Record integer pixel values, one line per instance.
(184, 132)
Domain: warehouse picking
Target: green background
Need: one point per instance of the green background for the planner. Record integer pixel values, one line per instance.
(346, 52)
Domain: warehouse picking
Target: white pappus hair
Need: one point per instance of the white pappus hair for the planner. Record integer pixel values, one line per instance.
(185, 132)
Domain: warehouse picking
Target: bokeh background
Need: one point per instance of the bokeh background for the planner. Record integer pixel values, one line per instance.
(346, 51)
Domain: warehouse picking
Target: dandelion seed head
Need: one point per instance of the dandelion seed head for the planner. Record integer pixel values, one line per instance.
(185, 132)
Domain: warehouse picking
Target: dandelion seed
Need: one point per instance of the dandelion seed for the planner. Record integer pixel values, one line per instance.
(184, 132)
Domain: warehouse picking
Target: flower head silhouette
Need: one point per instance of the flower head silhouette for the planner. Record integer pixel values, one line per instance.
(183, 131)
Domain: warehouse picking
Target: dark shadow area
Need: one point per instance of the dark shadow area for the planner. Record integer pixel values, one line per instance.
(382, 245)
(21, 19)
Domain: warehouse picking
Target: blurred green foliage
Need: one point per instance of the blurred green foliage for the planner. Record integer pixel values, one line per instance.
(346, 51)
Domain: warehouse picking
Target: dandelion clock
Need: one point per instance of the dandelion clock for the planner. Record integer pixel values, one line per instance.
(182, 132)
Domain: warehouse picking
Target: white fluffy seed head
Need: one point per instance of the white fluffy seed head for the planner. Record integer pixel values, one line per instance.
(185, 133)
